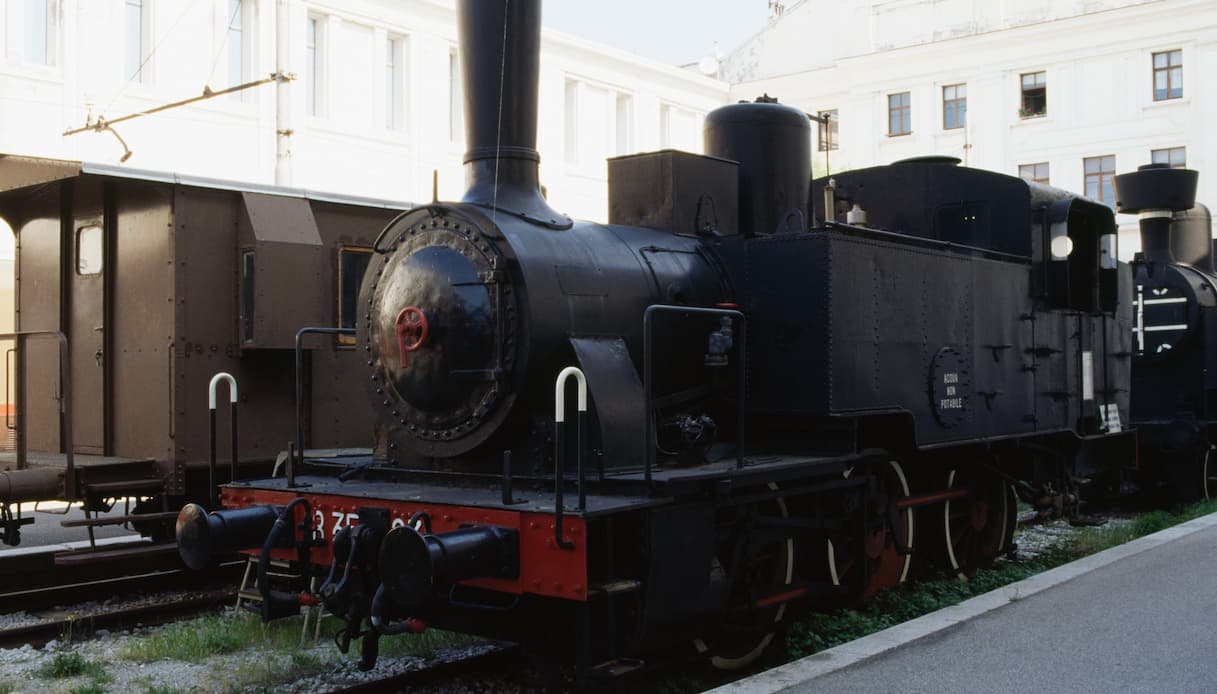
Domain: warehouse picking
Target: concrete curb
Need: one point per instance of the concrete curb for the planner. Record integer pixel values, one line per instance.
(816, 665)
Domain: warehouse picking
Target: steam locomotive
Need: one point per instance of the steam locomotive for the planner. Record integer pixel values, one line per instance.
(782, 389)
(1174, 379)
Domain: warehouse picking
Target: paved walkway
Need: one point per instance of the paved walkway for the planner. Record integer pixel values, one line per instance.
(1141, 617)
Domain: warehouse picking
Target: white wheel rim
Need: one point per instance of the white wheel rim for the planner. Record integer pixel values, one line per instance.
(725, 663)
(908, 519)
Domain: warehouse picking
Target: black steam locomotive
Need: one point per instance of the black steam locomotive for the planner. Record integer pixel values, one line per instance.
(784, 389)
(1174, 380)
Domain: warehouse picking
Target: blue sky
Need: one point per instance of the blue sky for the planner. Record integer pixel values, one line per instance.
(671, 31)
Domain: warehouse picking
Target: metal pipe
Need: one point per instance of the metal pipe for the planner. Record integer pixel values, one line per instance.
(560, 445)
(213, 487)
(34, 484)
(102, 124)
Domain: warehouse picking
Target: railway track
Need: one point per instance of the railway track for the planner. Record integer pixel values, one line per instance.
(67, 623)
(47, 593)
(39, 578)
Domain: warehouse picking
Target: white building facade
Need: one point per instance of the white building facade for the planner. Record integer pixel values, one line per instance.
(1066, 91)
(374, 110)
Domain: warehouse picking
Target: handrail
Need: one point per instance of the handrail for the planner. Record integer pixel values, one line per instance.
(8, 387)
(560, 445)
(300, 384)
(65, 405)
(232, 433)
(648, 384)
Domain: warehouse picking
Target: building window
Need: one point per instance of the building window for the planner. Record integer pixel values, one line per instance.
(89, 250)
(828, 134)
(570, 122)
(456, 115)
(314, 58)
(1168, 75)
(1099, 174)
(236, 44)
(679, 128)
(954, 106)
(137, 35)
(248, 272)
(598, 123)
(352, 262)
(1175, 156)
(1035, 95)
(1037, 173)
(41, 22)
(624, 120)
(898, 121)
(394, 83)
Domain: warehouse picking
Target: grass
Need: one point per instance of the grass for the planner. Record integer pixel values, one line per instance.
(426, 644)
(71, 664)
(198, 639)
(268, 672)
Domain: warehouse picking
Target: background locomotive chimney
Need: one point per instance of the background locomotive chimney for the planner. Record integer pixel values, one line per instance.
(1192, 237)
(1155, 192)
(500, 50)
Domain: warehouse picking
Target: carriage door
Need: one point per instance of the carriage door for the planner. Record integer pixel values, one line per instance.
(86, 256)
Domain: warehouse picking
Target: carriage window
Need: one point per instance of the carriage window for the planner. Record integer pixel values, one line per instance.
(352, 262)
(88, 250)
(247, 296)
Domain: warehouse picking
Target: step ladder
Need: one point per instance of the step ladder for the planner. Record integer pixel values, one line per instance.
(280, 571)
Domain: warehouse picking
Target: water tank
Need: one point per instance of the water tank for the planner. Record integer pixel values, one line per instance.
(772, 144)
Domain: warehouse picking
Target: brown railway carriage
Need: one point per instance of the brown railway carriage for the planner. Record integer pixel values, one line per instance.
(158, 282)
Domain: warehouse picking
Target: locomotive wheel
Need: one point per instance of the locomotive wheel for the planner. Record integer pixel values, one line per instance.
(975, 529)
(887, 567)
(1208, 475)
(749, 629)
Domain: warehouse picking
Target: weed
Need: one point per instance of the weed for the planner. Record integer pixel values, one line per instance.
(71, 664)
(7, 687)
(90, 688)
(160, 690)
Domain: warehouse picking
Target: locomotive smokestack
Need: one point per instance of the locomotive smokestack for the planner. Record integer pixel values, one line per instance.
(1155, 192)
(500, 63)
(1192, 237)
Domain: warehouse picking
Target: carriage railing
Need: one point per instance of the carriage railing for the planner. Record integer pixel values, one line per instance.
(648, 378)
(292, 461)
(65, 403)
